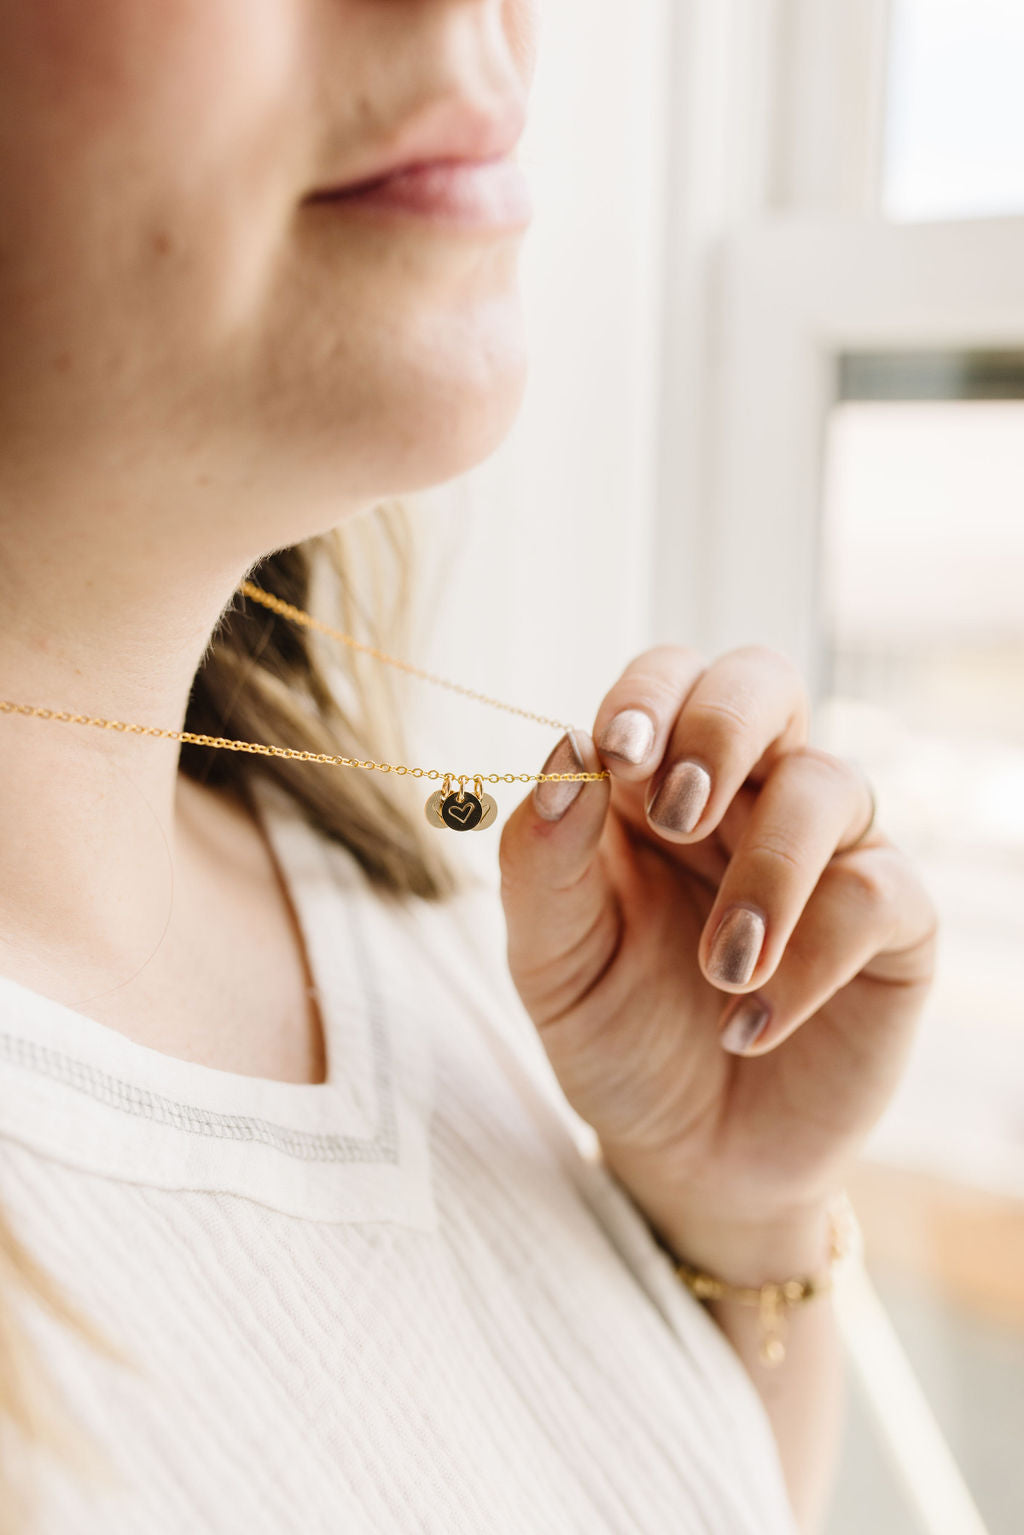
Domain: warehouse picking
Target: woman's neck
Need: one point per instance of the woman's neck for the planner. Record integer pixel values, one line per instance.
(91, 826)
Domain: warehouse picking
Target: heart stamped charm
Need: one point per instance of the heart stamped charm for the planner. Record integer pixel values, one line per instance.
(459, 810)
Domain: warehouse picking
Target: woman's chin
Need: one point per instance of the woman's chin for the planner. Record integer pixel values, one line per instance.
(445, 432)
(460, 443)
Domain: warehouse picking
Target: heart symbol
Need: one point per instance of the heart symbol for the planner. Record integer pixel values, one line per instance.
(462, 812)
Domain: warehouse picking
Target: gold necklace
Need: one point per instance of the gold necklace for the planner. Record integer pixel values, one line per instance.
(459, 809)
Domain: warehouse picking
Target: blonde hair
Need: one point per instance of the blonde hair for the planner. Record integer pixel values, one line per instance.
(262, 678)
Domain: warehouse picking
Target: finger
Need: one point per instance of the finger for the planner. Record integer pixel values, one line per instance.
(636, 716)
(748, 708)
(561, 914)
(869, 916)
(811, 805)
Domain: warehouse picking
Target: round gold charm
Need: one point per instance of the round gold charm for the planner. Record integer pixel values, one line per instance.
(461, 813)
(473, 812)
(433, 807)
(490, 809)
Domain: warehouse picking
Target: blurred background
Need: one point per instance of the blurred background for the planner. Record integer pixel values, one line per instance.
(775, 297)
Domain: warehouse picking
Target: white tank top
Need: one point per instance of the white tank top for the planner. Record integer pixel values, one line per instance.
(405, 1299)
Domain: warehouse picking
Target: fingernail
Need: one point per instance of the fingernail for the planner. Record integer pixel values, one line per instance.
(736, 947)
(745, 1026)
(680, 801)
(552, 800)
(629, 735)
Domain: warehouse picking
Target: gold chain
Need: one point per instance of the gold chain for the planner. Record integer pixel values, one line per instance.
(297, 616)
(286, 610)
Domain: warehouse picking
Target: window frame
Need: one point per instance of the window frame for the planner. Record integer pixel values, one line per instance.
(795, 295)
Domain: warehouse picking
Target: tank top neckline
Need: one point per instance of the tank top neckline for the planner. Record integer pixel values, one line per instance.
(351, 1146)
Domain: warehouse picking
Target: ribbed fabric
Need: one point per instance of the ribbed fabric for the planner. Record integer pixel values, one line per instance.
(405, 1299)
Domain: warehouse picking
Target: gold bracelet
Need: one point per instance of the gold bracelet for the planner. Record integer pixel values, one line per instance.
(772, 1297)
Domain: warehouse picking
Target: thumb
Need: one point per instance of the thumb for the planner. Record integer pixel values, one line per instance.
(560, 908)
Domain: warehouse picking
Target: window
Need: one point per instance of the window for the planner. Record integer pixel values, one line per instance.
(923, 631)
(955, 121)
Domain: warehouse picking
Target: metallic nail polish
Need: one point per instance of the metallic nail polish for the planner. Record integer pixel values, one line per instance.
(745, 1025)
(679, 803)
(628, 735)
(736, 947)
(552, 800)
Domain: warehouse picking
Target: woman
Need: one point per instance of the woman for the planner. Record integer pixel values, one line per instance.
(297, 1228)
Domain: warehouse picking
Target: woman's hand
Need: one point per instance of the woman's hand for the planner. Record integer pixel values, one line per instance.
(612, 915)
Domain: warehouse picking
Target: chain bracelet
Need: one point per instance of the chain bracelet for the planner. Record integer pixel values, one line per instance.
(845, 1242)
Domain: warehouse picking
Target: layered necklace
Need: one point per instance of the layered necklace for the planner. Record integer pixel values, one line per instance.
(459, 809)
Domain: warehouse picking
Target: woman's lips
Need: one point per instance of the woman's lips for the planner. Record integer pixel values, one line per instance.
(470, 194)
